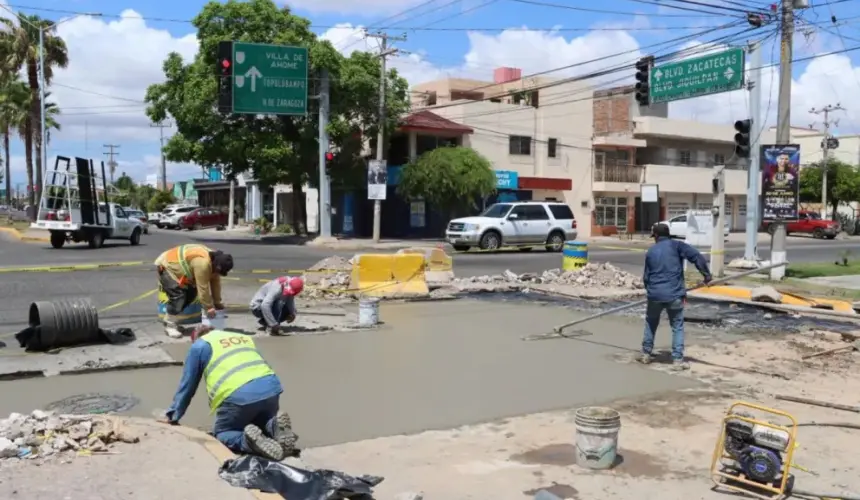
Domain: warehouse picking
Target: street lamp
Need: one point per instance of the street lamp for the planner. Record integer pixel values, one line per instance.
(43, 127)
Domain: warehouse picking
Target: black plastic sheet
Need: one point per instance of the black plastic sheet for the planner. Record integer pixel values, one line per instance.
(30, 338)
(253, 472)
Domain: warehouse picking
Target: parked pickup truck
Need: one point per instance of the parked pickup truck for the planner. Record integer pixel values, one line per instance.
(809, 223)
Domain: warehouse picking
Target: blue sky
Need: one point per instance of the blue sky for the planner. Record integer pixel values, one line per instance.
(114, 59)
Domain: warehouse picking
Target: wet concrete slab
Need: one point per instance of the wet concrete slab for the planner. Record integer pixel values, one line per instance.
(429, 366)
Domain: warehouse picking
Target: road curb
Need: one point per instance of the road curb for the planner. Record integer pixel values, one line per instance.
(20, 237)
(209, 443)
(68, 267)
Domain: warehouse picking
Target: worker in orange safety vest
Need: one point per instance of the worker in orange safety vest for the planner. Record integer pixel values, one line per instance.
(187, 273)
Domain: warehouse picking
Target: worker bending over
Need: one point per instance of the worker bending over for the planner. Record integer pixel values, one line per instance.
(243, 395)
(665, 288)
(187, 273)
(274, 303)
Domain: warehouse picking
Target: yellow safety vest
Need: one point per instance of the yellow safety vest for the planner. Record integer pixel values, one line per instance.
(235, 362)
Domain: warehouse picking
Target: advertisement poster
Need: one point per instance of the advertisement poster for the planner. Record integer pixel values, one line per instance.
(780, 188)
(417, 210)
(377, 179)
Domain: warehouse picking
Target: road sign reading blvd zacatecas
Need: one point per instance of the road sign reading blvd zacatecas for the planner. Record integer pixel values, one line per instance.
(710, 74)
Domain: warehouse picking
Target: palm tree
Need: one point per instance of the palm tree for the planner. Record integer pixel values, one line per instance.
(52, 111)
(14, 110)
(20, 41)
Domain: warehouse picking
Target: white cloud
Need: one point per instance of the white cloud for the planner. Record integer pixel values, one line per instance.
(366, 7)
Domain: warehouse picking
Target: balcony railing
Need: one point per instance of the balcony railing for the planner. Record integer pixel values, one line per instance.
(618, 172)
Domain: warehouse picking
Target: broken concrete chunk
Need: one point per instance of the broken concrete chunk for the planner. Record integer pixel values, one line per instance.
(8, 449)
(40, 415)
(766, 294)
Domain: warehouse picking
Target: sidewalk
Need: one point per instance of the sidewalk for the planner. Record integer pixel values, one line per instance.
(169, 462)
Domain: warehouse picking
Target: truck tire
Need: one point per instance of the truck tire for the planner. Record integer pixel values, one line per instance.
(818, 233)
(491, 240)
(135, 238)
(96, 239)
(58, 239)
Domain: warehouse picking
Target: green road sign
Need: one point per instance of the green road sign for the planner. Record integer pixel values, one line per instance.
(270, 79)
(710, 74)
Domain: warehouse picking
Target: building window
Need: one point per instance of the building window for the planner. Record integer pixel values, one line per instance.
(685, 157)
(611, 211)
(551, 147)
(520, 145)
(719, 159)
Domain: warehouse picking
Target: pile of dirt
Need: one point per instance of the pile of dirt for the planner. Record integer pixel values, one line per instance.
(42, 434)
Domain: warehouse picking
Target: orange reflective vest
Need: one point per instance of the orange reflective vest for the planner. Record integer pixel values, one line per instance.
(183, 255)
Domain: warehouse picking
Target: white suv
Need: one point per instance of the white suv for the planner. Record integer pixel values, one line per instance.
(523, 224)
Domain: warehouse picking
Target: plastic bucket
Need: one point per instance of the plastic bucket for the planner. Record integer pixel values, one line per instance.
(218, 322)
(368, 312)
(574, 255)
(597, 437)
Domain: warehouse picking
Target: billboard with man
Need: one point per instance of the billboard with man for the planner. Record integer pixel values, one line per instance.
(780, 187)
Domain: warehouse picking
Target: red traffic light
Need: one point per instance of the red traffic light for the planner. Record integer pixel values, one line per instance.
(329, 156)
(225, 63)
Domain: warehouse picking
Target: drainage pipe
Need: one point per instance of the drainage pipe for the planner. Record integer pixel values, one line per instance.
(64, 323)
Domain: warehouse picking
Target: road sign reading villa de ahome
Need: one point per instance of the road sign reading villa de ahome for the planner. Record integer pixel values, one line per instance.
(270, 79)
(710, 74)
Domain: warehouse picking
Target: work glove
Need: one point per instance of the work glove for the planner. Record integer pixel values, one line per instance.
(706, 279)
(275, 330)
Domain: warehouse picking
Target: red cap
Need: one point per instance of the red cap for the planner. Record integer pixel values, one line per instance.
(293, 286)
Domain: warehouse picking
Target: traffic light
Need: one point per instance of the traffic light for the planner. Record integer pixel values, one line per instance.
(643, 69)
(329, 160)
(742, 138)
(224, 70)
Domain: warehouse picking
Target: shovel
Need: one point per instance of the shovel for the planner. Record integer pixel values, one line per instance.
(557, 332)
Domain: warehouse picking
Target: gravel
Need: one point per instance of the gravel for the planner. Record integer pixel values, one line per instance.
(43, 435)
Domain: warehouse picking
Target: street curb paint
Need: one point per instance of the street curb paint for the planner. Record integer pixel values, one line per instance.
(20, 237)
(68, 268)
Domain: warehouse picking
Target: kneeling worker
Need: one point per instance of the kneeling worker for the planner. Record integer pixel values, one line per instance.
(189, 272)
(243, 395)
(274, 303)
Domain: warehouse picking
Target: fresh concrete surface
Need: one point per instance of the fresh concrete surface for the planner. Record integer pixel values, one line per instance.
(430, 366)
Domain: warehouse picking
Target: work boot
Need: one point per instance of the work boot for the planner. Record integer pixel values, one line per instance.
(172, 331)
(680, 365)
(263, 445)
(645, 358)
(285, 436)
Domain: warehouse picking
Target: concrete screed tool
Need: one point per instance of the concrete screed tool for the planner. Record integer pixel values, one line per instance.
(557, 332)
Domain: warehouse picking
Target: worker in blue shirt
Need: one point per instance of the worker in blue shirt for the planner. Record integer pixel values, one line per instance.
(666, 290)
(243, 395)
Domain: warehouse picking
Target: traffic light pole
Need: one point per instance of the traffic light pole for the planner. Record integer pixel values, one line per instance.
(324, 190)
(754, 164)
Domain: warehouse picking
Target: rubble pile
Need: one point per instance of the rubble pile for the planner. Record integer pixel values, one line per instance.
(328, 279)
(595, 278)
(43, 434)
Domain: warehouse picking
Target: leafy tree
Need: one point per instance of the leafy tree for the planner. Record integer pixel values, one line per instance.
(124, 183)
(275, 149)
(450, 178)
(160, 200)
(19, 41)
(843, 183)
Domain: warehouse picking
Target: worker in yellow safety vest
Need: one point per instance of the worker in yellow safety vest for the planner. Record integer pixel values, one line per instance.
(187, 273)
(243, 395)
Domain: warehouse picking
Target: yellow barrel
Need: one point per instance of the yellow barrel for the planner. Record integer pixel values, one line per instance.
(574, 255)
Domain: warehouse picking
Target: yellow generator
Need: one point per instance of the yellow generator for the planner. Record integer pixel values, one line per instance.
(754, 452)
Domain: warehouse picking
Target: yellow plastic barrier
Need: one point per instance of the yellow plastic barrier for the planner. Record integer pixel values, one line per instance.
(788, 299)
(389, 275)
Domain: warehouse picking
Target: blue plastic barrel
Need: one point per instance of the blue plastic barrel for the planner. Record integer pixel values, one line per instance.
(574, 255)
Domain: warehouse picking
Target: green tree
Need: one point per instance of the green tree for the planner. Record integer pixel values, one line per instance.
(14, 103)
(843, 183)
(19, 41)
(273, 149)
(160, 200)
(451, 178)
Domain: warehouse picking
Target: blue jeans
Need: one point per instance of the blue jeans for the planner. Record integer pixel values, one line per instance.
(231, 419)
(279, 311)
(675, 310)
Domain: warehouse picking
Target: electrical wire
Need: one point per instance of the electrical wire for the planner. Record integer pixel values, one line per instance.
(605, 11)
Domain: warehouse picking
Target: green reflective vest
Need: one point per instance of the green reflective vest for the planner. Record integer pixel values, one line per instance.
(235, 362)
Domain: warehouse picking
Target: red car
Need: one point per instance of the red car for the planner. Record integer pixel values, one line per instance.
(810, 223)
(203, 217)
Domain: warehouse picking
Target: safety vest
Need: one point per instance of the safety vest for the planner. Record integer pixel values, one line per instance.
(235, 362)
(183, 255)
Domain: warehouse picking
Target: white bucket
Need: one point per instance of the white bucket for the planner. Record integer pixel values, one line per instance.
(368, 312)
(218, 322)
(597, 431)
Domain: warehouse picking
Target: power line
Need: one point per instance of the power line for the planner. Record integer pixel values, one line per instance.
(605, 11)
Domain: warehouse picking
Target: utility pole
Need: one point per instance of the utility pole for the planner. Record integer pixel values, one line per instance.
(162, 176)
(778, 252)
(754, 162)
(825, 150)
(384, 52)
(110, 153)
(719, 212)
(324, 192)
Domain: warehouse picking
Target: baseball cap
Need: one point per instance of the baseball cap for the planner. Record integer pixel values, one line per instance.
(293, 286)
